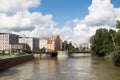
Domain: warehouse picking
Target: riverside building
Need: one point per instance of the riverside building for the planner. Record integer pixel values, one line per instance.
(32, 43)
(50, 43)
(9, 43)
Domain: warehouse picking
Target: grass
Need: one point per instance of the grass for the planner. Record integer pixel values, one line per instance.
(5, 56)
(2, 56)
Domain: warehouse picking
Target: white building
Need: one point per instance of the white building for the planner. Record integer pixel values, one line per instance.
(9, 43)
(43, 43)
(33, 43)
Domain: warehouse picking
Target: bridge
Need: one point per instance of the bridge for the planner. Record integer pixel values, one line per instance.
(51, 53)
(79, 52)
(55, 53)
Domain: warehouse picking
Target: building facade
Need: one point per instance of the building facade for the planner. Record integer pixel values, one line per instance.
(43, 43)
(31, 42)
(9, 43)
(51, 43)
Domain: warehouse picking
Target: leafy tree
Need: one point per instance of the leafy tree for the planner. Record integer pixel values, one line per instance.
(118, 24)
(91, 39)
(70, 46)
(100, 42)
(117, 39)
(67, 46)
(111, 40)
(116, 52)
(107, 42)
(64, 45)
(116, 56)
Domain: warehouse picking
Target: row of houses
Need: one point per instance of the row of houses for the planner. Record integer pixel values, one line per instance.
(12, 43)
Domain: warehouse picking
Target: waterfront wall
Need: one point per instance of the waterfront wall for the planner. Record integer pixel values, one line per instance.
(7, 63)
(62, 54)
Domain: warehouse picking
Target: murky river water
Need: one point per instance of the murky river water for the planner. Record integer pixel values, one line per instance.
(74, 68)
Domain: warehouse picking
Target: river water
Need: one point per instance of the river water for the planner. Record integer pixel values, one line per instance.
(76, 67)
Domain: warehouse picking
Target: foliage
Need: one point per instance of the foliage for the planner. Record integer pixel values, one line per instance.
(67, 46)
(116, 56)
(117, 38)
(103, 42)
(107, 42)
(91, 39)
(100, 42)
(118, 24)
(27, 51)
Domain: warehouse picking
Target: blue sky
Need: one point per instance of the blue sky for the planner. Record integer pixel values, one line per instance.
(66, 10)
(37, 18)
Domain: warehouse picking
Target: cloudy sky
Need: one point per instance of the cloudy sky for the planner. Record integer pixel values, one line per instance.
(73, 20)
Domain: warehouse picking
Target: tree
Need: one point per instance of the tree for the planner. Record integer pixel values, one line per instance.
(116, 52)
(64, 45)
(70, 46)
(118, 24)
(91, 39)
(100, 42)
(116, 56)
(67, 46)
(117, 39)
(111, 40)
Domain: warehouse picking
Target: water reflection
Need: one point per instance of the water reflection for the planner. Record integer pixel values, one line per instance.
(77, 67)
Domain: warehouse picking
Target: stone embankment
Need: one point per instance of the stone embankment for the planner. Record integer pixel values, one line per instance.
(7, 63)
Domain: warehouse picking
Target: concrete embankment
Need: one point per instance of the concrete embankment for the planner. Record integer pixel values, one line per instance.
(62, 53)
(7, 63)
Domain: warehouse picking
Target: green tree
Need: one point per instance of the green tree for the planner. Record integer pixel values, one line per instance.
(116, 53)
(67, 46)
(91, 39)
(64, 45)
(111, 40)
(100, 42)
(118, 24)
(70, 46)
(117, 39)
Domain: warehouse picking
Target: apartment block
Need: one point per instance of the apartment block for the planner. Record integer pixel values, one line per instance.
(9, 43)
(43, 43)
(33, 43)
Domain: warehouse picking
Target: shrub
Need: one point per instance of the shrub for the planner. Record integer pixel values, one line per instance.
(27, 51)
(116, 56)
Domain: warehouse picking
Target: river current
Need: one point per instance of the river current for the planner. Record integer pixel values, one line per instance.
(77, 67)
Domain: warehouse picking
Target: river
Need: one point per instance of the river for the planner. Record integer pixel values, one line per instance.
(76, 67)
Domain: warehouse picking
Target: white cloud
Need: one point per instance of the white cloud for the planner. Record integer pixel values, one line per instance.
(13, 6)
(102, 14)
(16, 18)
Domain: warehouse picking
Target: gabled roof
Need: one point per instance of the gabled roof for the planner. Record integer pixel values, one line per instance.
(50, 38)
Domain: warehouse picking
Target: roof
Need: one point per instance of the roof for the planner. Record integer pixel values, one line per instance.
(50, 38)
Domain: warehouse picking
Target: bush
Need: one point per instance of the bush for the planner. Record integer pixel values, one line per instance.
(116, 56)
(27, 51)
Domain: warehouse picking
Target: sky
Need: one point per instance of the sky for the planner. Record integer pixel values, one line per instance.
(64, 10)
(73, 20)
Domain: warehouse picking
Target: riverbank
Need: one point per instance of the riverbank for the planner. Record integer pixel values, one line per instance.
(9, 62)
